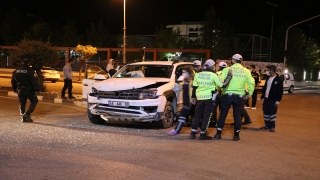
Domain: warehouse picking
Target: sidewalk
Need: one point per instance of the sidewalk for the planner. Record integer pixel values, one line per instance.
(49, 97)
(7, 73)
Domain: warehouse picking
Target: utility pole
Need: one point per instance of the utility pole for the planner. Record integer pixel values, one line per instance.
(273, 6)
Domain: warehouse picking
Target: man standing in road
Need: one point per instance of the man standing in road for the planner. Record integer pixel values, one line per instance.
(256, 77)
(67, 75)
(272, 92)
(204, 90)
(25, 83)
(233, 94)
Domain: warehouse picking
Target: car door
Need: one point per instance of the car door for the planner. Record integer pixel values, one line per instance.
(93, 73)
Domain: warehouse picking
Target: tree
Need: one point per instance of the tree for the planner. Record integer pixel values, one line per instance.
(166, 38)
(216, 35)
(86, 52)
(13, 26)
(67, 35)
(302, 51)
(99, 36)
(41, 31)
(39, 54)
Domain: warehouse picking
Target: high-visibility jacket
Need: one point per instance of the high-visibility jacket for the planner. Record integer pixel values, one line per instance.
(240, 77)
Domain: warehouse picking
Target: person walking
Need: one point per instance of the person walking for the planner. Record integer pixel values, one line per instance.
(272, 92)
(186, 78)
(233, 95)
(205, 92)
(67, 76)
(25, 83)
(256, 77)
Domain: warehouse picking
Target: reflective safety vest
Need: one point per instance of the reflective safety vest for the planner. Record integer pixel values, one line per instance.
(240, 77)
(206, 82)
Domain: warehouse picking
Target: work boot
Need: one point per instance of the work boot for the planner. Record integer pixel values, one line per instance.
(193, 135)
(26, 118)
(246, 122)
(71, 97)
(218, 134)
(204, 136)
(236, 136)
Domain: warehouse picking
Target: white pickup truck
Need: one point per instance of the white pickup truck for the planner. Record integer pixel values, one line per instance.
(138, 92)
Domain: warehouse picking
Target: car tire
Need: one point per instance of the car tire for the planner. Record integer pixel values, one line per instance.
(290, 90)
(168, 119)
(95, 119)
(53, 81)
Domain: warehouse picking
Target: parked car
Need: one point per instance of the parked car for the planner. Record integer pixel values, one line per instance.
(50, 74)
(138, 92)
(288, 82)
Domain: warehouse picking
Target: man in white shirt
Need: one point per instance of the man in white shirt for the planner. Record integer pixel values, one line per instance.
(272, 94)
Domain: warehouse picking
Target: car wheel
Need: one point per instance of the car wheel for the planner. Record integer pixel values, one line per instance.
(290, 90)
(168, 119)
(95, 119)
(53, 81)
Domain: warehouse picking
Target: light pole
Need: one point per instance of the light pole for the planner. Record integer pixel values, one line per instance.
(124, 32)
(273, 6)
(310, 30)
(286, 41)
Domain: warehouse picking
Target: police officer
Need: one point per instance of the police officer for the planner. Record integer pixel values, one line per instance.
(233, 94)
(196, 69)
(256, 77)
(25, 83)
(204, 89)
(222, 65)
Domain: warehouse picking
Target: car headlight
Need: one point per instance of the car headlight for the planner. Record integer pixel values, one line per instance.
(148, 94)
(94, 92)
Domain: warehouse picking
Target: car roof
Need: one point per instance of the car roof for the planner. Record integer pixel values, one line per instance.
(159, 63)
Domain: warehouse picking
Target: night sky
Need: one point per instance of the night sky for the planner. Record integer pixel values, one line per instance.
(143, 16)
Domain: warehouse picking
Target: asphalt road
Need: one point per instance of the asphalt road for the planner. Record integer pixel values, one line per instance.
(63, 144)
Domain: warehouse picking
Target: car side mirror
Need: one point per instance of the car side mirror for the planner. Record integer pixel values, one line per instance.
(99, 77)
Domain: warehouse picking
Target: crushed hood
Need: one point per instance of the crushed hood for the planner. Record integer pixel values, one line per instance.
(117, 84)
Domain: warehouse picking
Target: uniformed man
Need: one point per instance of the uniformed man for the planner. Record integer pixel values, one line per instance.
(196, 66)
(222, 65)
(233, 94)
(256, 77)
(196, 69)
(25, 83)
(204, 90)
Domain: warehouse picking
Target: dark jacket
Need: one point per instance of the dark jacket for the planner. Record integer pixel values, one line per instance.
(276, 89)
(25, 78)
(256, 77)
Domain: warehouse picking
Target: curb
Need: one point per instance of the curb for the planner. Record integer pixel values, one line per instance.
(82, 104)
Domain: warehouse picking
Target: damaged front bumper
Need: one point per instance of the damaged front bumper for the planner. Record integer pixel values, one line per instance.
(147, 110)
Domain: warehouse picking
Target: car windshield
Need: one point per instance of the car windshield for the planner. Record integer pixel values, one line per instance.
(144, 71)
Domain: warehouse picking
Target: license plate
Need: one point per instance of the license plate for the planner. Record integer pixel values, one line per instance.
(118, 103)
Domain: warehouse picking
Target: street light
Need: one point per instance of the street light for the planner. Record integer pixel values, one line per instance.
(273, 6)
(310, 30)
(286, 41)
(124, 32)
